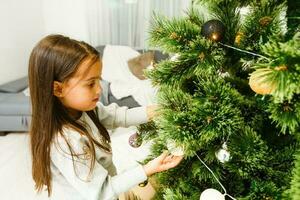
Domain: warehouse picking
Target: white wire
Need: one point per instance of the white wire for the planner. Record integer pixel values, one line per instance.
(248, 52)
(215, 177)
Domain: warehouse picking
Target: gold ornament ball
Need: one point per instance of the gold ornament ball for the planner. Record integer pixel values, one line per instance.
(260, 86)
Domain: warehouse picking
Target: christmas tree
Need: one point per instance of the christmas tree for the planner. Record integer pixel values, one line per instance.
(229, 99)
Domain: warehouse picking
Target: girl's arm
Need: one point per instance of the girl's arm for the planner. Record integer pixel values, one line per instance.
(99, 185)
(113, 116)
(95, 186)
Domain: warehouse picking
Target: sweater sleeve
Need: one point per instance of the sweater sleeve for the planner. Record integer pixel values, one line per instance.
(97, 185)
(113, 116)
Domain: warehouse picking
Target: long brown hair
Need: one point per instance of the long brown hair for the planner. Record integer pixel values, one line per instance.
(55, 58)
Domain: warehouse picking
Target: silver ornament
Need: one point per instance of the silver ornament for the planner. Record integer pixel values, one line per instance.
(223, 154)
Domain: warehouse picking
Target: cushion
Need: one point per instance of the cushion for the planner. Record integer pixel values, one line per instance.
(122, 82)
(138, 64)
(115, 66)
(15, 86)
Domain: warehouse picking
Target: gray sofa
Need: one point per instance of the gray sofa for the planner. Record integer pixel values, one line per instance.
(15, 105)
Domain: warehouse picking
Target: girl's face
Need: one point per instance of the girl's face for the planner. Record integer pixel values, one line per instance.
(82, 91)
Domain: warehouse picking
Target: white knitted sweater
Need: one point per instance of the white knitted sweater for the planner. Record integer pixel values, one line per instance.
(103, 183)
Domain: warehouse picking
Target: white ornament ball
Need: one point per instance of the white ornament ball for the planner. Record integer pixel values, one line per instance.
(174, 149)
(212, 194)
(223, 155)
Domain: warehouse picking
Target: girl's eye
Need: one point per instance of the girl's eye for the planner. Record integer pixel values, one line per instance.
(91, 84)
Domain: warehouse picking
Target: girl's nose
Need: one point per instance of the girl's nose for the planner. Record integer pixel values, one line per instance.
(98, 89)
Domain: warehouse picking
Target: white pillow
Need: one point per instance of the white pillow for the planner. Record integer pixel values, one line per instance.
(123, 82)
(144, 93)
(115, 66)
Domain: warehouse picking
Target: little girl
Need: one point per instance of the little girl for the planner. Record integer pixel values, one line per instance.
(69, 142)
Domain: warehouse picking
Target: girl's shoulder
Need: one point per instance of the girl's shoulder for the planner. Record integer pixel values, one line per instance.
(69, 138)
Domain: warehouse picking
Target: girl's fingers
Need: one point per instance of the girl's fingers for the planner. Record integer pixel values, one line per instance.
(172, 161)
(168, 159)
(163, 155)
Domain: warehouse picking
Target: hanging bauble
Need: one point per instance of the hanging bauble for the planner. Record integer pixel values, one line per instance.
(175, 149)
(212, 194)
(213, 30)
(258, 83)
(223, 154)
(135, 140)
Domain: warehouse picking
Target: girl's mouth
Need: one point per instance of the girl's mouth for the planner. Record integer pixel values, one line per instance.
(96, 99)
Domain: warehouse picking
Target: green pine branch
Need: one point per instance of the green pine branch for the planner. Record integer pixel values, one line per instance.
(286, 115)
(172, 35)
(201, 107)
(282, 69)
(262, 23)
(208, 114)
(293, 18)
(294, 192)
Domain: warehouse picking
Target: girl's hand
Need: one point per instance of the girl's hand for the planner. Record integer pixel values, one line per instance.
(162, 163)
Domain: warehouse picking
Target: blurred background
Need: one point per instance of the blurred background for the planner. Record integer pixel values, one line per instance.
(98, 22)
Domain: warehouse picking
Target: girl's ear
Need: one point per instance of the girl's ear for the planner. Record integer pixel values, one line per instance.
(57, 89)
